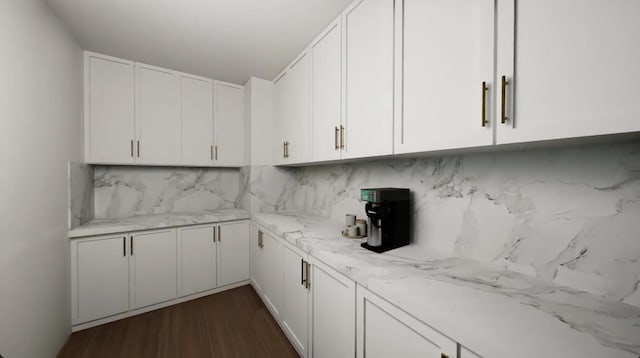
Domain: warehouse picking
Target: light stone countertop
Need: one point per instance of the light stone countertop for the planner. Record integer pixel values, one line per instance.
(493, 312)
(150, 222)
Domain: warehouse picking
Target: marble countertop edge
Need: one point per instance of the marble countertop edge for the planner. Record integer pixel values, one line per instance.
(98, 227)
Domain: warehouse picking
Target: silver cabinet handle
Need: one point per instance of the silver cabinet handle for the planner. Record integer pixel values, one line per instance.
(302, 276)
(335, 138)
(124, 246)
(484, 104)
(216, 152)
(503, 108)
(138, 149)
(132, 148)
(211, 153)
(131, 242)
(214, 234)
(219, 234)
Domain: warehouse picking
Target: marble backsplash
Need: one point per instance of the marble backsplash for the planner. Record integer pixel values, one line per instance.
(124, 191)
(567, 215)
(81, 209)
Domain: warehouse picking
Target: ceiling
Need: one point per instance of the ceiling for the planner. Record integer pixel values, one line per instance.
(228, 40)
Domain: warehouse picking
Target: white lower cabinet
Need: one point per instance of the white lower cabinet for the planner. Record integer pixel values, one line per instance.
(153, 272)
(266, 269)
(295, 309)
(327, 315)
(113, 276)
(197, 253)
(100, 277)
(333, 313)
(384, 330)
(233, 252)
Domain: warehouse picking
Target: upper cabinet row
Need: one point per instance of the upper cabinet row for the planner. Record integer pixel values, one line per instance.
(394, 77)
(142, 114)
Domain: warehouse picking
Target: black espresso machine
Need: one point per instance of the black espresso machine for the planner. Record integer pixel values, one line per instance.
(388, 215)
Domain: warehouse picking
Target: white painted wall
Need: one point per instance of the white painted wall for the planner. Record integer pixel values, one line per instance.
(40, 130)
(260, 94)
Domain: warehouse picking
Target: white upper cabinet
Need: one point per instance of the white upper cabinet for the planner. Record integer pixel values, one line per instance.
(159, 114)
(447, 75)
(142, 114)
(368, 30)
(292, 113)
(197, 120)
(571, 69)
(229, 148)
(109, 109)
(326, 93)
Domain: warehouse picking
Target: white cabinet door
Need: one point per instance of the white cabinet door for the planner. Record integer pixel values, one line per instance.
(333, 313)
(158, 117)
(368, 28)
(292, 111)
(197, 252)
(448, 55)
(197, 120)
(109, 109)
(465, 353)
(296, 296)
(233, 252)
(100, 281)
(229, 124)
(153, 274)
(384, 331)
(272, 287)
(257, 258)
(326, 93)
(576, 75)
(280, 101)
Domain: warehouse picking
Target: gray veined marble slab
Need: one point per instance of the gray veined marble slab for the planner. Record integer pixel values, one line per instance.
(492, 311)
(149, 222)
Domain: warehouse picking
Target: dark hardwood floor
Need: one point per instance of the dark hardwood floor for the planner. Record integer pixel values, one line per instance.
(233, 323)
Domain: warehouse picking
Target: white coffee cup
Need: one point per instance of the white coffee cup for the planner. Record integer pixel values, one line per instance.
(349, 220)
(352, 230)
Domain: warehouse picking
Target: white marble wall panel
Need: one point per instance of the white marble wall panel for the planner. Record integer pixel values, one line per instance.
(80, 178)
(568, 215)
(122, 191)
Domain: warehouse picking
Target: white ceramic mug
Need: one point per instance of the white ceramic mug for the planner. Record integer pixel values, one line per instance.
(349, 220)
(352, 230)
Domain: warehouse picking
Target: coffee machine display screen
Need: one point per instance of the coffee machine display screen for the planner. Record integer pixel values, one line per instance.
(368, 195)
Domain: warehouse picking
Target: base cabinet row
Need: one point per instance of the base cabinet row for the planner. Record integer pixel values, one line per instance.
(326, 315)
(115, 274)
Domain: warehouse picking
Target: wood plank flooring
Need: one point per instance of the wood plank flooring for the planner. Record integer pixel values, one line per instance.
(233, 323)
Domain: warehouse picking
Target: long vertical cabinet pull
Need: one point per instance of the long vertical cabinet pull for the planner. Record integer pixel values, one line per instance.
(302, 275)
(216, 152)
(219, 233)
(308, 276)
(138, 149)
(341, 137)
(131, 248)
(503, 106)
(214, 234)
(211, 153)
(335, 138)
(124, 246)
(484, 103)
(132, 148)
